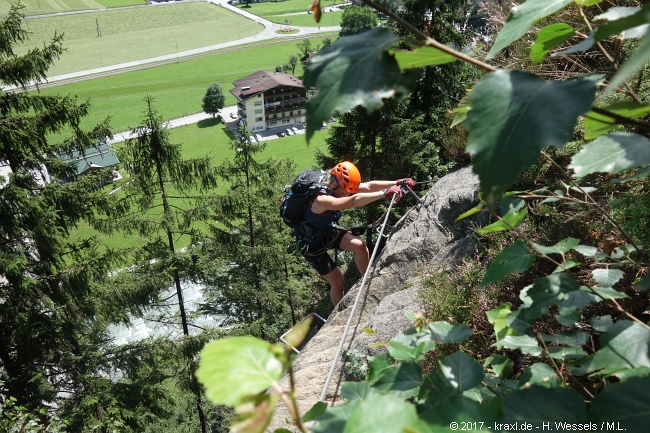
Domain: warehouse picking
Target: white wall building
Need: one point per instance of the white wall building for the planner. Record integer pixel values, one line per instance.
(268, 100)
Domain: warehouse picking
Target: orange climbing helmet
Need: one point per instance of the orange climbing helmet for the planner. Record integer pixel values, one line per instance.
(347, 175)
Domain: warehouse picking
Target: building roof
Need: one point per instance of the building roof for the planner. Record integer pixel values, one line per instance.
(94, 158)
(260, 82)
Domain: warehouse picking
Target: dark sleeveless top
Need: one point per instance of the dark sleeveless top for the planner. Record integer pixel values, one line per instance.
(318, 225)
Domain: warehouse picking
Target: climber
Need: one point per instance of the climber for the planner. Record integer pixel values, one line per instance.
(343, 189)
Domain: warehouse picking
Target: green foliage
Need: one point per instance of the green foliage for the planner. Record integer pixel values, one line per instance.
(214, 99)
(356, 20)
(512, 117)
(346, 79)
(16, 418)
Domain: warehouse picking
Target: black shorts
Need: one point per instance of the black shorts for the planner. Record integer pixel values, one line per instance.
(316, 253)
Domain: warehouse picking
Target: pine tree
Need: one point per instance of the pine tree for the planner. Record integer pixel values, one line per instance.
(49, 284)
(253, 275)
(154, 205)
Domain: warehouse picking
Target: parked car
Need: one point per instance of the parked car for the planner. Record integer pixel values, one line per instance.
(281, 134)
(294, 129)
(289, 131)
(251, 139)
(258, 137)
(233, 115)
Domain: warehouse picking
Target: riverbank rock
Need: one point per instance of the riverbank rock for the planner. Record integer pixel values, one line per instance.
(427, 236)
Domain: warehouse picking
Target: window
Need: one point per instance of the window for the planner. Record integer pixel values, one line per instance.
(273, 123)
(259, 119)
(259, 111)
(285, 121)
(258, 103)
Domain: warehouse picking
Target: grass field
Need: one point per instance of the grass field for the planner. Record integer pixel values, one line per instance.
(178, 88)
(307, 20)
(120, 3)
(294, 10)
(136, 33)
(38, 7)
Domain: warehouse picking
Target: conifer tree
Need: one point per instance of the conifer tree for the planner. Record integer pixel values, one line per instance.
(252, 274)
(154, 206)
(49, 284)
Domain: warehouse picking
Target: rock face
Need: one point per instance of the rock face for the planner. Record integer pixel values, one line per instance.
(428, 235)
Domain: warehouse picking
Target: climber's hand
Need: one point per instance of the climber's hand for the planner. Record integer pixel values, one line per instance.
(407, 181)
(393, 191)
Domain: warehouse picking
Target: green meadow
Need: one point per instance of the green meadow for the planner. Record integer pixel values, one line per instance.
(109, 37)
(178, 88)
(39, 7)
(294, 11)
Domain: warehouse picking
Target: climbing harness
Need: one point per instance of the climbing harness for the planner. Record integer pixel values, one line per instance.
(354, 307)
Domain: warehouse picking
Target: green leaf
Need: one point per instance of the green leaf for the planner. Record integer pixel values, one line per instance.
(549, 38)
(502, 365)
(382, 413)
(235, 367)
(601, 323)
(470, 212)
(611, 153)
(597, 124)
(514, 115)
(624, 346)
(547, 291)
(643, 285)
(625, 375)
(410, 344)
(607, 277)
(356, 390)
(511, 204)
(319, 408)
(514, 259)
(378, 367)
(539, 405)
(570, 338)
(568, 264)
(401, 377)
(497, 318)
(633, 63)
(510, 221)
(447, 333)
(525, 343)
(521, 18)
(355, 70)
(539, 374)
(619, 20)
(588, 2)
(401, 351)
(460, 409)
(568, 317)
(606, 293)
(335, 418)
(566, 352)
(254, 413)
(586, 250)
(560, 248)
(625, 405)
(461, 371)
(461, 111)
(420, 57)
(640, 173)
